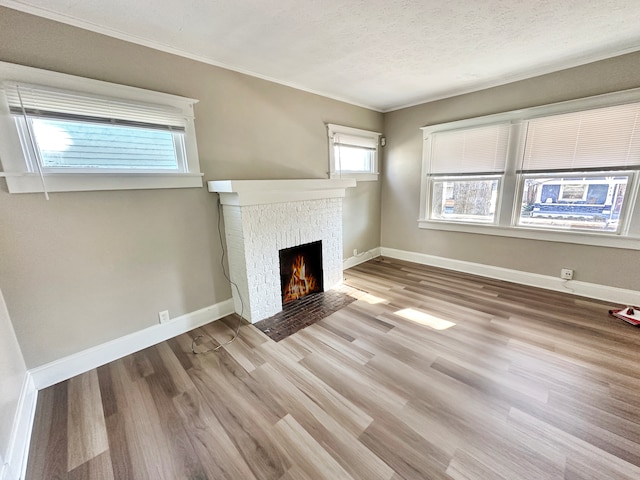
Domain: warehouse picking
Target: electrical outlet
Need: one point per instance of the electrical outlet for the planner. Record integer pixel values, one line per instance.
(355, 252)
(566, 273)
(163, 316)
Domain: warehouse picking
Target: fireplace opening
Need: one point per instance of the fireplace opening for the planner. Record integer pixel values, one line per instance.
(301, 271)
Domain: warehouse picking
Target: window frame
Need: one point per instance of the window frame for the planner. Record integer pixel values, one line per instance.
(334, 172)
(23, 176)
(628, 235)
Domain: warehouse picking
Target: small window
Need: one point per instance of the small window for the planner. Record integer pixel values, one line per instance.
(99, 136)
(353, 152)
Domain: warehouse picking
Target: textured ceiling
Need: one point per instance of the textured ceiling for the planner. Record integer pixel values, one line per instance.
(382, 54)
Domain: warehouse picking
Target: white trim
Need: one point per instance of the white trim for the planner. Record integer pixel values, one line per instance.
(358, 132)
(72, 365)
(82, 182)
(263, 198)
(580, 238)
(16, 462)
(361, 258)
(591, 290)
(359, 176)
(261, 192)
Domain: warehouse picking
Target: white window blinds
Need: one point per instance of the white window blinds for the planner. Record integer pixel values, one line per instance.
(477, 150)
(49, 102)
(347, 140)
(598, 139)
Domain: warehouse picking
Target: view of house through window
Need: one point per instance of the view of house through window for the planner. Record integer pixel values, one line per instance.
(81, 144)
(586, 203)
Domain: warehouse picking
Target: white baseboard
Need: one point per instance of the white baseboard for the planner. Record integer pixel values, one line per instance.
(16, 462)
(591, 290)
(361, 258)
(67, 367)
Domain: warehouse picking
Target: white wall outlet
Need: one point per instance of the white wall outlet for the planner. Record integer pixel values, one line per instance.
(163, 316)
(566, 273)
(355, 252)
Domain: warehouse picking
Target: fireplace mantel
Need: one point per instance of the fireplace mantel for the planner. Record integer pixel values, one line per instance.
(261, 192)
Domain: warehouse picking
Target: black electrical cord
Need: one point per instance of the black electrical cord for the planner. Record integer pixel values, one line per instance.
(224, 272)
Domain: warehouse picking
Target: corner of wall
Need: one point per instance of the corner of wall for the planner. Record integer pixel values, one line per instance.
(361, 258)
(15, 465)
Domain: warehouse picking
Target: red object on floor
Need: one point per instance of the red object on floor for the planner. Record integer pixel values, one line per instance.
(628, 314)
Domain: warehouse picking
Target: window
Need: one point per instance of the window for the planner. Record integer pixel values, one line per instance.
(561, 151)
(353, 153)
(561, 172)
(64, 133)
(574, 202)
(466, 170)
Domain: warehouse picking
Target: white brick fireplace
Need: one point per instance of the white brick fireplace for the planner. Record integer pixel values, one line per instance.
(261, 217)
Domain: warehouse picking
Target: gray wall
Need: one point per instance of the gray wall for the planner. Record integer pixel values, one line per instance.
(89, 267)
(12, 373)
(402, 172)
(361, 218)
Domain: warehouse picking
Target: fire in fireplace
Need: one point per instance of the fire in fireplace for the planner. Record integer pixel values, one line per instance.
(301, 271)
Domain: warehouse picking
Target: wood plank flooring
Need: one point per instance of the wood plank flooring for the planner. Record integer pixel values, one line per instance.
(528, 384)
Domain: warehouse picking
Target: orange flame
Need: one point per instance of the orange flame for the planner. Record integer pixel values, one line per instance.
(301, 283)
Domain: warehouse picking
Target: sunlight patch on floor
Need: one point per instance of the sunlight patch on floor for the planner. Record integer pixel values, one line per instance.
(372, 299)
(425, 319)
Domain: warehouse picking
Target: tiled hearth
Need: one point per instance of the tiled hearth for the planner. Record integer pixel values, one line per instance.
(304, 312)
(261, 217)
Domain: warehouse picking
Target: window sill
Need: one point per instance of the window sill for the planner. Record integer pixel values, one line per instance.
(360, 177)
(81, 182)
(579, 238)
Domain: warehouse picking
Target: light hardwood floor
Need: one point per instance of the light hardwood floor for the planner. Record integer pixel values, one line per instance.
(528, 384)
